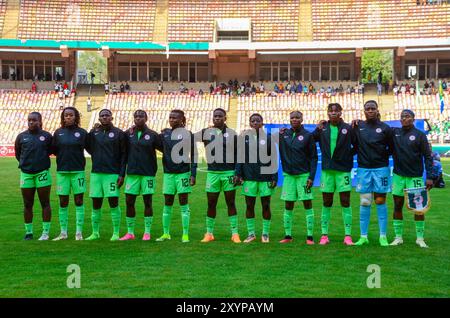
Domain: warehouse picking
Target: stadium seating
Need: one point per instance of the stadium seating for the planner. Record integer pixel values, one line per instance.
(272, 20)
(198, 109)
(2, 14)
(374, 20)
(424, 106)
(15, 105)
(313, 106)
(97, 20)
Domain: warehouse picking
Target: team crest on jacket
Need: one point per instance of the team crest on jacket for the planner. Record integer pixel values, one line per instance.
(225, 135)
(344, 131)
(378, 130)
(111, 134)
(42, 138)
(300, 138)
(147, 137)
(77, 134)
(412, 138)
(262, 142)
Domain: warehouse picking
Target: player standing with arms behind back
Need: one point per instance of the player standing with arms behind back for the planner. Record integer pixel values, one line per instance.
(141, 170)
(33, 148)
(68, 145)
(221, 172)
(180, 170)
(107, 146)
(299, 161)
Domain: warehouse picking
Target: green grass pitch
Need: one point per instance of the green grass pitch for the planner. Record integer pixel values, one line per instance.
(221, 268)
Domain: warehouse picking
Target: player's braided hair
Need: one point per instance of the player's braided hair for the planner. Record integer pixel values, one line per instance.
(337, 105)
(77, 116)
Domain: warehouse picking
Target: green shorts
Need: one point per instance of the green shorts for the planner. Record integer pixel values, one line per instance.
(294, 188)
(136, 184)
(103, 185)
(332, 180)
(399, 183)
(255, 188)
(217, 181)
(67, 180)
(35, 180)
(174, 183)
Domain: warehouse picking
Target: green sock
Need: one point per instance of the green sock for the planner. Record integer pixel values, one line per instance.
(167, 214)
(420, 228)
(398, 228)
(325, 220)
(251, 226)
(347, 217)
(29, 228)
(79, 212)
(185, 217)
(287, 218)
(45, 227)
(148, 224)
(96, 217)
(266, 227)
(210, 224)
(310, 222)
(115, 217)
(233, 224)
(63, 218)
(130, 224)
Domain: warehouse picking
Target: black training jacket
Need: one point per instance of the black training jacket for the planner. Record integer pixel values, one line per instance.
(33, 150)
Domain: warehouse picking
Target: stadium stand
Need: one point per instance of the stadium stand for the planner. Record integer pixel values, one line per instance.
(375, 20)
(276, 109)
(198, 109)
(272, 20)
(15, 105)
(98, 20)
(2, 14)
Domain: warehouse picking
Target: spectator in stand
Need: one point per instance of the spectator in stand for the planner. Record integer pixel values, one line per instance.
(253, 89)
(261, 87)
(114, 89)
(65, 86)
(160, 88)
(311, 88)
(299, 88)
(276, 88)
(106, 88)
(127, 86)
(73, 91)
(56, 87)
(33, 87)
(200, 92)
(66, 92)
(211, 88)
(293, 88)
(122, 88)
(395, 90)
(182, 88)
(305, 89)
(379, 88)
